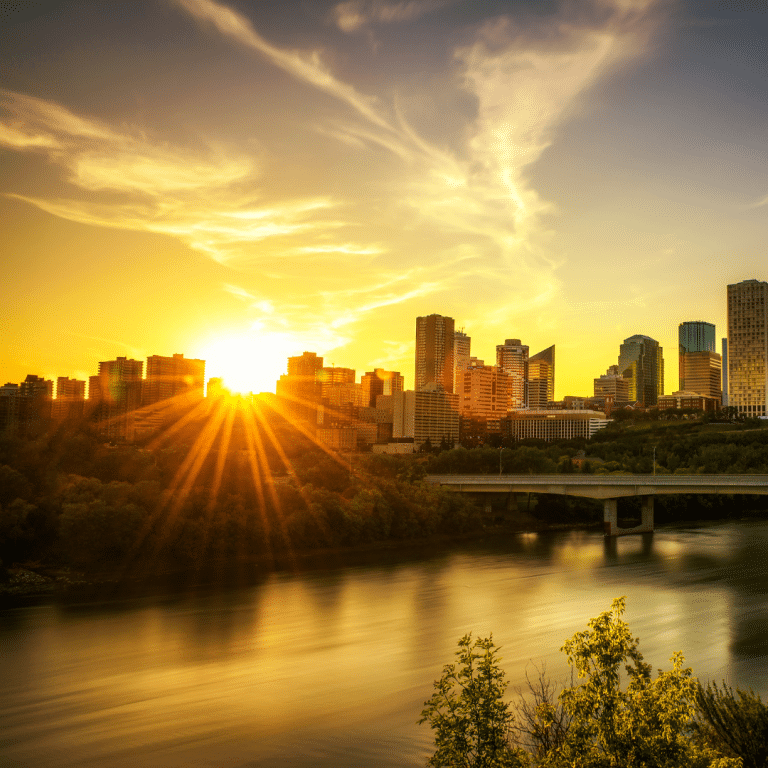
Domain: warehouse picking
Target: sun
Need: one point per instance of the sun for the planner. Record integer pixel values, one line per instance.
(247, 362)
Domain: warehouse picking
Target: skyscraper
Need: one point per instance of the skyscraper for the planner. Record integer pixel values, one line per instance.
(641, 361)
(699, 364)
(748, 347)
(541, 378)
(696, 336)
(434, 352)
(512, 358)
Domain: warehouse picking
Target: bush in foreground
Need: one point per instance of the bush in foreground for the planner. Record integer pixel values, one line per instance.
(616, 714)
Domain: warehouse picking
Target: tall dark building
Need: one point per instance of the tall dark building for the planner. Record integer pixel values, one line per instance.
(434, 352)
(641, 361)
(70, 399)
(696, 336)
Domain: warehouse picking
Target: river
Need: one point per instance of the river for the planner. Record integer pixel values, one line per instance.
(331, 666)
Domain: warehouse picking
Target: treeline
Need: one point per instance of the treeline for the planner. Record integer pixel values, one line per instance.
(226, 487)
(257, 489)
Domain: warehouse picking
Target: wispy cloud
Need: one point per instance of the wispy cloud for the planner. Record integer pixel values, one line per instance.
(354, 15)
(307, 67)
(465, 210)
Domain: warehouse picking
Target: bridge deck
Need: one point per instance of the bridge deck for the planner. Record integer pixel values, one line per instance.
(605, 486)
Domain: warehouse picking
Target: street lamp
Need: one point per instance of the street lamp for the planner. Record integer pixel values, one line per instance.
(500, 452)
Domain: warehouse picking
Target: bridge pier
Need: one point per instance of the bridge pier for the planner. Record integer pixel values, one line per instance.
(611, 518)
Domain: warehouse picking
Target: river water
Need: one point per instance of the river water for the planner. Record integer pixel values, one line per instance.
(331, 666)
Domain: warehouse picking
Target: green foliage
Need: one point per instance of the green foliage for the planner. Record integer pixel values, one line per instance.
(617, 715)
(735, 724)
(471, 721)
(646, 723)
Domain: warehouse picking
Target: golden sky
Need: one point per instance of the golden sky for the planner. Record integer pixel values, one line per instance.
(245, 181)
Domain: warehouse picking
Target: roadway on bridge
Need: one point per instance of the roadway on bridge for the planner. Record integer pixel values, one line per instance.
(604, 486)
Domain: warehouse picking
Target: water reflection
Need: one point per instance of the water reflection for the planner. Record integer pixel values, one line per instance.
(332, 666)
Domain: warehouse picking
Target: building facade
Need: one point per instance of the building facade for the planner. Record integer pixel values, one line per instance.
(462, 354)
(484, 392)
(115, 394)
(748, 347)
(434, 352)
(701, 372)
(552, 425)
(641, 361)
(70, 399)
(169, 377)
(512, 359)
(541, 378)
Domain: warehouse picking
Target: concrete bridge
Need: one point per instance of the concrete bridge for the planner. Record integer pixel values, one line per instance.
(610, 488)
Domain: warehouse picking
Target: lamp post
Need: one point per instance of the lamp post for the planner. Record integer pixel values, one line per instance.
(654, 461)
(501, 450)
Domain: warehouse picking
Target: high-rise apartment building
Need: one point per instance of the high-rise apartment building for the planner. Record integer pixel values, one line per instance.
(434, 352)
(641, 361)
(541, 378)
(462, 354)
(512, 358)
(300, 390)
(70, 398)
(116, 393)
(306, 364)
(484, 392)
(748, 347)
(169, 377)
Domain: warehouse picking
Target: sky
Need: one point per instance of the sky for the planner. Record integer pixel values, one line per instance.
(244, 181)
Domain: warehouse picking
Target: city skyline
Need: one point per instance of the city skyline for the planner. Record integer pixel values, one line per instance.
(244, 182)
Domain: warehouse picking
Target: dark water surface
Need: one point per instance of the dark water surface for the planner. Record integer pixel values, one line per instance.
(331, 667)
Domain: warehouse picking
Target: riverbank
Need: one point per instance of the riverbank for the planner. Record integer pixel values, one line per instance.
(31, 582)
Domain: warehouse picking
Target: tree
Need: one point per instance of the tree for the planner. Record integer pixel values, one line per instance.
(472, 723)
(734, 724)
(647, 724)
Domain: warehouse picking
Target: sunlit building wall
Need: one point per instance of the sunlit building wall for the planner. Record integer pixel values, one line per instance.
(512, 359)
(169, 377)
(641, 361)
(701, 372)
(484, 392)
(434, 352)
(552, 425)
(380, 382)
(748, 347)
(541, 378)
(461, 356)
(612, 384)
